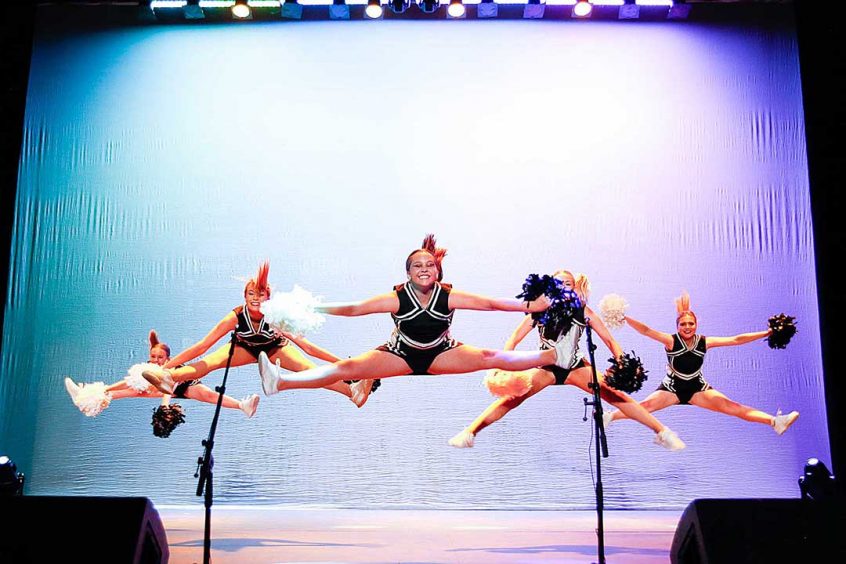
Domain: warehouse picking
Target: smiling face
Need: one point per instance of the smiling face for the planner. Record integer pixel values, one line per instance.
(686, 325)
(254, 298)
(567, 278)
(422, 269)
(159, 355)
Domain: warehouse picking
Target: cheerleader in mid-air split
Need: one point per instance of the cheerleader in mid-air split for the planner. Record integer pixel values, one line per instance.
(684, 383)
(93, 398)
(421, 343)
(516, 387)
(253, 336)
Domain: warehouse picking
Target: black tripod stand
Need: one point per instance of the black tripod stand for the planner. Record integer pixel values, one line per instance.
(205, 463)
(601, 444)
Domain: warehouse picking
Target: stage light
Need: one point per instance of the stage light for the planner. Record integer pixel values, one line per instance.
(240, 10)
(629, 11)
(582, 9)
(428, 6)
(817, 483)
(145, 12)
(533, 10)
(168, 10)
(339, 10)
(291, 10)
(373, 9)
(399, 6)
(678, 10)
(487, 9)
(456, 9)
(167, 4)
(11, 481)
(193, 11)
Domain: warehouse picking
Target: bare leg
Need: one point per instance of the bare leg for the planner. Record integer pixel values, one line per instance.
(657, 400)
(469, 359)
(716, 401)
(132, 393)
(205, 394)
(211, 362)
(117, 386)
(500, 408)
(372, 364)
(626, 405)
(293, 360)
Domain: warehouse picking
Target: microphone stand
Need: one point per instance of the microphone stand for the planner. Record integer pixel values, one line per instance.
(601, 446)
(205, 463)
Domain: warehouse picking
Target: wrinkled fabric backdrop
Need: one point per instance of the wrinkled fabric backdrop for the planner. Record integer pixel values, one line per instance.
(161, 164)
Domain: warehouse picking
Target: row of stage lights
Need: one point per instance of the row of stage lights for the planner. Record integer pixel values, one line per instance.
(374, 9)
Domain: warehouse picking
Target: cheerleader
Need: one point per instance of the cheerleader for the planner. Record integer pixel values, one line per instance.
(576, 371)
(422, 309)
(684, 383)
(253, 336)
(92, 398)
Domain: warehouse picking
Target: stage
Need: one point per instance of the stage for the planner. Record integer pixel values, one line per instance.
(276, 534)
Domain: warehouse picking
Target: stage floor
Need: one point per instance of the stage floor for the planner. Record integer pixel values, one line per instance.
(270, 534)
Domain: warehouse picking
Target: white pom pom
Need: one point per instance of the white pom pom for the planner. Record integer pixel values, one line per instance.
(92, 399)
(612, 308)
(137, 382)
(293, 311)
(508, 384)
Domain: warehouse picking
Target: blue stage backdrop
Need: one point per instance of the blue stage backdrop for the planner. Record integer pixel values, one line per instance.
(161, 164)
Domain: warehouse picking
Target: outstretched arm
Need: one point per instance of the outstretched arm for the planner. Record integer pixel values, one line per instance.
(519, 333)
(386, 303)
(663, 338)
(223, 327)
(463, 300)
(311, 349)
(599, 327)
(741, 339)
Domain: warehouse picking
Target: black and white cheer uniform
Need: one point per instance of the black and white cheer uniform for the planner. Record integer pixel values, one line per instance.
(421, 333)
(684, 369)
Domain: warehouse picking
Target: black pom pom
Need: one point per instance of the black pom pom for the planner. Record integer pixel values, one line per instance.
(166, 418)
(564, 304)
(783, 330)
(558, 318)
(626, 373)
(535, 286)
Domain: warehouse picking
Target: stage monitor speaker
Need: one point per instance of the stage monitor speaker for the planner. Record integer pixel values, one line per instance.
(87, 529)
(745, 531)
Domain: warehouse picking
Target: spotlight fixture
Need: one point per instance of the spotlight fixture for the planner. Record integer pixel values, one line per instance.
(533, 10)
(240, 10)
(487, 9)
(456, 9)
(629, 11)
(428, 6)
(399, 6)
(168, 10)
(339, 10)
(192, 10)
(582, 9)
(11, 481)
(167, 4)
(679, 10)
(816, 482)
(373, 9)
(291, 10)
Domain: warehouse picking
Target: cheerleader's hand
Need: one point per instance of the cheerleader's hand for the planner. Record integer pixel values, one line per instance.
(537, 305)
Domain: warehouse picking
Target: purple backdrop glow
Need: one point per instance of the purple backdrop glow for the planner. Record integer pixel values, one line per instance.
(161, 164)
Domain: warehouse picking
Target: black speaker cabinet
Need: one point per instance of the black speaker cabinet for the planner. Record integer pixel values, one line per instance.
(738, 531)
(87, 529)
